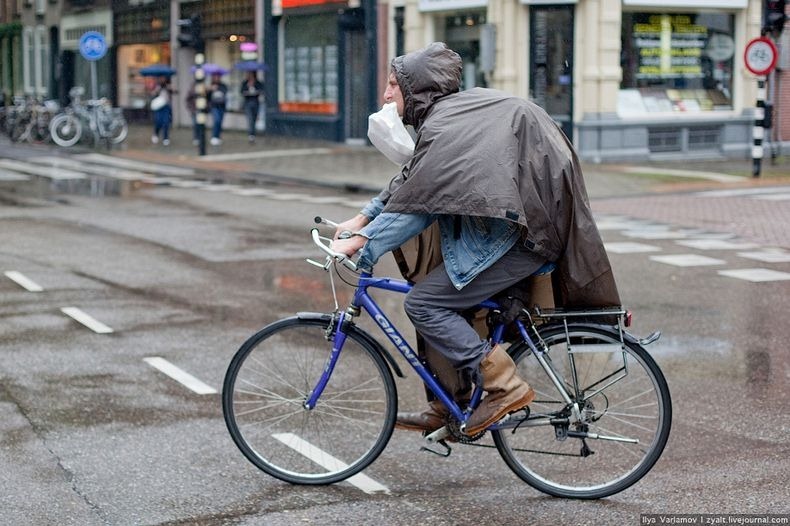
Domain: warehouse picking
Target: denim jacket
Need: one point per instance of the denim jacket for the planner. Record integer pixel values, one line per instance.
(467, 251)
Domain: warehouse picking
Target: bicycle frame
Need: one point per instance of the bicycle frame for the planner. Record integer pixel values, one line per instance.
(363, 300)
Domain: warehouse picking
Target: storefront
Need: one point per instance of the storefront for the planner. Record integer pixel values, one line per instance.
(322, 79)
(679, 93)
(142, 38)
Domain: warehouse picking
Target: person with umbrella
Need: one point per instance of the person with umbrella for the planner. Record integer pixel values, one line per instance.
(163, 111)
(217, 98)
(251, 90)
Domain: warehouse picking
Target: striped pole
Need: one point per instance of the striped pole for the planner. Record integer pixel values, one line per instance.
(758, 132)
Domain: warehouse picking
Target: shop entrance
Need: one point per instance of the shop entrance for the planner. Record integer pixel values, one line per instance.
(551, 62)
(357, 104)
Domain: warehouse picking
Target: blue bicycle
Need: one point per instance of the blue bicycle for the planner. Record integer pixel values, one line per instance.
(311, 399)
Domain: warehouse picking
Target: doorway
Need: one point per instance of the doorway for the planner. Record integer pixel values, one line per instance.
(551, 62)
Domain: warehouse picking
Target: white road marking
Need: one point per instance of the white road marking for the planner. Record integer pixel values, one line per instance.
(768, 256)
(324, 459)
(252, 192)
(41, 171)
(220, 187)
(87, 320)
(654, 234)
(712, 176)
(630, 248)
(687, 260)
(163, 169)
(715, 244)
(71, 164)
(179, 375)
(742, 192)
(12, 177)
(773, 197)
(756, 274)
(23, 281)
(265, 154)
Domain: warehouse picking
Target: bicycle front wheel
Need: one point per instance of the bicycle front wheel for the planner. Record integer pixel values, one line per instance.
(268, 381)
(625, 408)
(66, 130)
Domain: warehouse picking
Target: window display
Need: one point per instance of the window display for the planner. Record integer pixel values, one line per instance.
(310, 64)
(679, 62)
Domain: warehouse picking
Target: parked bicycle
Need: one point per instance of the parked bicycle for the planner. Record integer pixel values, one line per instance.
(311, 399)
(104, 122)
(27, 120)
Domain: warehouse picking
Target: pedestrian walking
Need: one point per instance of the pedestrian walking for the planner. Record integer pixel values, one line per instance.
(251, 90)
(162, 109)
(218, 99)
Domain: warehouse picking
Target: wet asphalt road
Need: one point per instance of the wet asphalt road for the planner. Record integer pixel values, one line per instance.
(91, 434)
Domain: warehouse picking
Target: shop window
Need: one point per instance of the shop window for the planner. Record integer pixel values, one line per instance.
(676, 63)
(309, 65)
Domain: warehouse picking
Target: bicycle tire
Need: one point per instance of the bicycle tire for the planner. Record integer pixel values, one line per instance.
(268, 381)
(118, 130)
(66, 130)
(637, 407)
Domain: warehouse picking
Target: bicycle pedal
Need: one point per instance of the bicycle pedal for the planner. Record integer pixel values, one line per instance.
(445, 453)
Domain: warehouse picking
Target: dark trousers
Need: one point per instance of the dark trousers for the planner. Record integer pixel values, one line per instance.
(434, 307)
(251, 108)
(163, 117)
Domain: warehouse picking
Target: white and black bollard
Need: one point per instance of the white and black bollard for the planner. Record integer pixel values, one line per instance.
(758, 132)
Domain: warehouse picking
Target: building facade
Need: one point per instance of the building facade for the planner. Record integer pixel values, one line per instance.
(626, 79)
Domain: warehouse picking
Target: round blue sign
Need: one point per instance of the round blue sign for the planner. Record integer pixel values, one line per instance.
(93, 46)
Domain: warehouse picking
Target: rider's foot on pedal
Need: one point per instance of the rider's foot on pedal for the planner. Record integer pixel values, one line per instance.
(505, 391)
(429, 420)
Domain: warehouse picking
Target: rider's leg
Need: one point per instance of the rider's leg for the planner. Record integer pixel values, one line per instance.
(434, 304)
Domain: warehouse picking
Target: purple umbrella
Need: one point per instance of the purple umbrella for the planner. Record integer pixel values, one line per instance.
(250, 65)
(212, 69)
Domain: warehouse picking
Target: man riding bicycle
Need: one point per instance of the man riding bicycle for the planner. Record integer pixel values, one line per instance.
(504, 186)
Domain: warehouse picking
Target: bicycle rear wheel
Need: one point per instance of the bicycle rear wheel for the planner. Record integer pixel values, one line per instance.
(626, 416)
(268, 382)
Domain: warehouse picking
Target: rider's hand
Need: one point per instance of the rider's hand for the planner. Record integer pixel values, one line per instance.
(349, 246)
(352, 225)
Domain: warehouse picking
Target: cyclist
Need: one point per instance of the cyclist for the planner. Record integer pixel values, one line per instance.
(504, 185)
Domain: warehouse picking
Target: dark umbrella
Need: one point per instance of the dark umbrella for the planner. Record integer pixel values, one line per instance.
(250, 65)
(157, 70)
(212, 69)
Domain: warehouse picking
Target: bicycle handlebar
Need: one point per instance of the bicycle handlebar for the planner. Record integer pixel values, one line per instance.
(339, 256)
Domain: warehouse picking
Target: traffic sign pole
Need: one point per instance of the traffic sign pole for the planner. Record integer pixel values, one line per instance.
(760, 59)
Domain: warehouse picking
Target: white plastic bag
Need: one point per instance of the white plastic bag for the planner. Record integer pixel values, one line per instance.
(158, 102)
(387, 133)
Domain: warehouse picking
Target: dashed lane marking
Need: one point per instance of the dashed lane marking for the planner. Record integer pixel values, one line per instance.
(756, 275)
(767, 256)
(743, 192)
(687, 260)
(23, 281)
(41, 171)
(630, 248)
(71, 164)
(154, 168)
(785, 196)
(324, 459)
(715, 244)
(87, 320)
(179, 375)
(654, 234)
(266, 154)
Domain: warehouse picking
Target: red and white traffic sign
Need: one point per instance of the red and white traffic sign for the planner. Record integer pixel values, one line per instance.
(760, 56)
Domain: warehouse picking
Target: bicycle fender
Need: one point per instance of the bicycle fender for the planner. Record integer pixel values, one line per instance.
(322, 316)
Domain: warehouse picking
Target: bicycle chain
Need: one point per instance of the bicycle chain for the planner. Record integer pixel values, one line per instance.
(454, 426)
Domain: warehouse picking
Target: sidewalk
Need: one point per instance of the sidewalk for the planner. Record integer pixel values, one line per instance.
(283, 159)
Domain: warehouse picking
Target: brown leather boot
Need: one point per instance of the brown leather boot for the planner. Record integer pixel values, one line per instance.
(429, 420)
(505, 391)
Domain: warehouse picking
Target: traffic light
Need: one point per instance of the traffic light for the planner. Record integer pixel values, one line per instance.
(774, 16)
(191, 33)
